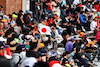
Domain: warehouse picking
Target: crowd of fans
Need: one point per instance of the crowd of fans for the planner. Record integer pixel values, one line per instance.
(39, 38)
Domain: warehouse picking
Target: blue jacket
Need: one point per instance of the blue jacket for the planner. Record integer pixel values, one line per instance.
(82, 18)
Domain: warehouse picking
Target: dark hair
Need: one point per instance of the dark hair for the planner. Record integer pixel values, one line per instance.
(19, 15)
(25, 31)
(64, 54)
(31, 53)
(52, 58)
(18, 49)
(64, 33)
(8, 32)
(92, 39)
(31, 28)
(81, 12)
(67, 52)
(11, 29)
(28, 14)
(20, 11)
(1, 6)
(77, 49)
(33, 45)
(41, 64)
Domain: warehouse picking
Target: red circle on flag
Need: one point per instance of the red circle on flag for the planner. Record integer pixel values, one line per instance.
(43, 30)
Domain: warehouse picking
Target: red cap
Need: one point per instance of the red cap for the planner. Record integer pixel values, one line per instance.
(80, 5)
(97, 17)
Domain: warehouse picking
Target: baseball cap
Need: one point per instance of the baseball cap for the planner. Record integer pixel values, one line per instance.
(43, 52)
(2, 39)
(80, 5)
(97, 17)
(81, 34)
(7, 53)
(3, 20)
(55, 16)
(41, 45)
(72, 39)
(14, 16)
(54, 63)
(2, 45)
(86, 35)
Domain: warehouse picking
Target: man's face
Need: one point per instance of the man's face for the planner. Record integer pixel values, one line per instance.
(1, 9)
(21, 12)
(95, 11)
(94, 41)
(96, 19)
(33, 31)
(66, 36)
(2, 50)
(67, 55)
(10, 35)
(28, 15)
(39, 59)
(43, 58)
(14, 18)
(65, 24)
(1, 26)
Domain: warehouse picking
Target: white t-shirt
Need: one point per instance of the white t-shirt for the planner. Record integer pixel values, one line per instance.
(84, 7)
(30, 61)
(93, 25)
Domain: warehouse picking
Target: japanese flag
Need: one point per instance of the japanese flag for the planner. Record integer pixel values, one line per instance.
(45, 30)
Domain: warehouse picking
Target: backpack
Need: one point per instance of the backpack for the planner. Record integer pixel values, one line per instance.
(15, 60)
(21, 63)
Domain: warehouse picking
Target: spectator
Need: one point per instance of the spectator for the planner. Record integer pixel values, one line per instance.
(78, 55)
(69, 45)
(93, 24)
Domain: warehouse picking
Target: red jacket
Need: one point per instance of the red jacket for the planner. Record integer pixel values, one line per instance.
(49, 6)
(96, 7)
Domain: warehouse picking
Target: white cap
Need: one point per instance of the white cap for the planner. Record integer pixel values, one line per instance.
(30, 62)
(56, 65)
(29, 37)
(45, 39)
(2, 39)
(7, 56)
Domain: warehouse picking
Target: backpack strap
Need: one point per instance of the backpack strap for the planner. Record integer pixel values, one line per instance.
(18, 61)
(21, 61)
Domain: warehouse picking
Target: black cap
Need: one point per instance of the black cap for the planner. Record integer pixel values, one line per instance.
(2, 45)
(43, 52)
